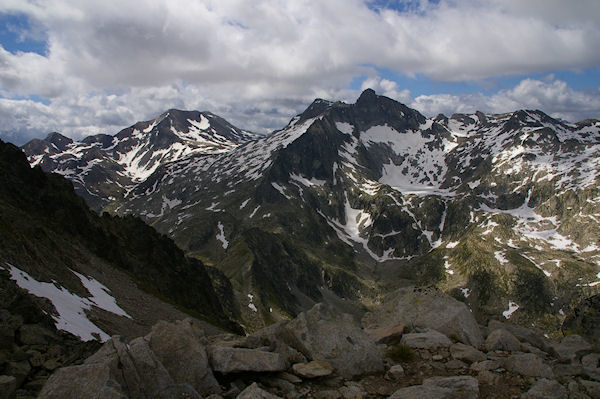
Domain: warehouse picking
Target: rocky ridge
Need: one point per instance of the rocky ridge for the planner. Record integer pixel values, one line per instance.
(103, 167)
(357, 362)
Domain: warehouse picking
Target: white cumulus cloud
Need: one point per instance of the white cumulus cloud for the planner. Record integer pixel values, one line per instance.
(110, 63)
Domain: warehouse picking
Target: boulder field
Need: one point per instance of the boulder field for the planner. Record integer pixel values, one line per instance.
(396, 352)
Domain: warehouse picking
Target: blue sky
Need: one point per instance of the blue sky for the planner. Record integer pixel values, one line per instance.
(83, 68)
(17, 34)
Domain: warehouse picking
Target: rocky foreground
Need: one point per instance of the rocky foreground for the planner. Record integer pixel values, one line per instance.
(419, 343)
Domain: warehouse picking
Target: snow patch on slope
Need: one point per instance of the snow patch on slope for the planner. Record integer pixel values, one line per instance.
(221, 236)
(71, 307)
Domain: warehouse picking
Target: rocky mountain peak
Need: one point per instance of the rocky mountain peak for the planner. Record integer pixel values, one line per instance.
(130, 156)
(371, 109)
(316, 108)
(368, 96)
(60, 141)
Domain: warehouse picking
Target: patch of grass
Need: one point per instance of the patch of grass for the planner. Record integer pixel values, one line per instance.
(400, 353)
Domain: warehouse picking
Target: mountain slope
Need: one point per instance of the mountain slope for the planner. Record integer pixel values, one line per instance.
(104, 167)
(56, 248)
(352, 200)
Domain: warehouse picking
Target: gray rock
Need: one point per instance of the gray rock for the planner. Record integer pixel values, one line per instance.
(118, 370)
(428, 308)
(528, 364)
(546, 389)
(289, 377)
(324, 334)
(181, 351)
(571, 347)
(502, 340)
(575, 391)
(92, 380)
(228, 360)
(423, 392)
(567, 370)
(591, 361)
(177, 391)
(8, 386)
(456, 364)
(465, 387)
(278, 338)
(488, 377)
(279, 383)
(387, 335)
(142, 371)
(327, 394)
(486, 365)
(466, 353)
(527, 347)
(591, 387)
(535, 338)
(255, 392)
(352, 392)
(395, 372)
(314, 369)
(429, 340)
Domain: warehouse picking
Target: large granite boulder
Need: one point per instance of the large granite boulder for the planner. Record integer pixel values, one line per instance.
(98, 377)
(430, 340)
(502, 340)
(572, 347)
(546, 389)
(117, 370)
(170, 361)
(181, 349)
(227, 360)
(528, 364)
(314, 369)
(466, 353)
(523, 334)
(323, 334)
(93, 381)
(426, 308)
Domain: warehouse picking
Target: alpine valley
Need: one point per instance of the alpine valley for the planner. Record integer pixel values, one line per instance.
(365, 212)
(350, 201)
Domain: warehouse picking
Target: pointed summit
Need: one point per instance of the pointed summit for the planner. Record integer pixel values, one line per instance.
(60, 141)
(367, 97)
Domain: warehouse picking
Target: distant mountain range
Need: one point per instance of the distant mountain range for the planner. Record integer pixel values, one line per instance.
(104, 167)
(350, 201)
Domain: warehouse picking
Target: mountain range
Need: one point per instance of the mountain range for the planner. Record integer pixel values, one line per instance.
(351, 201)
